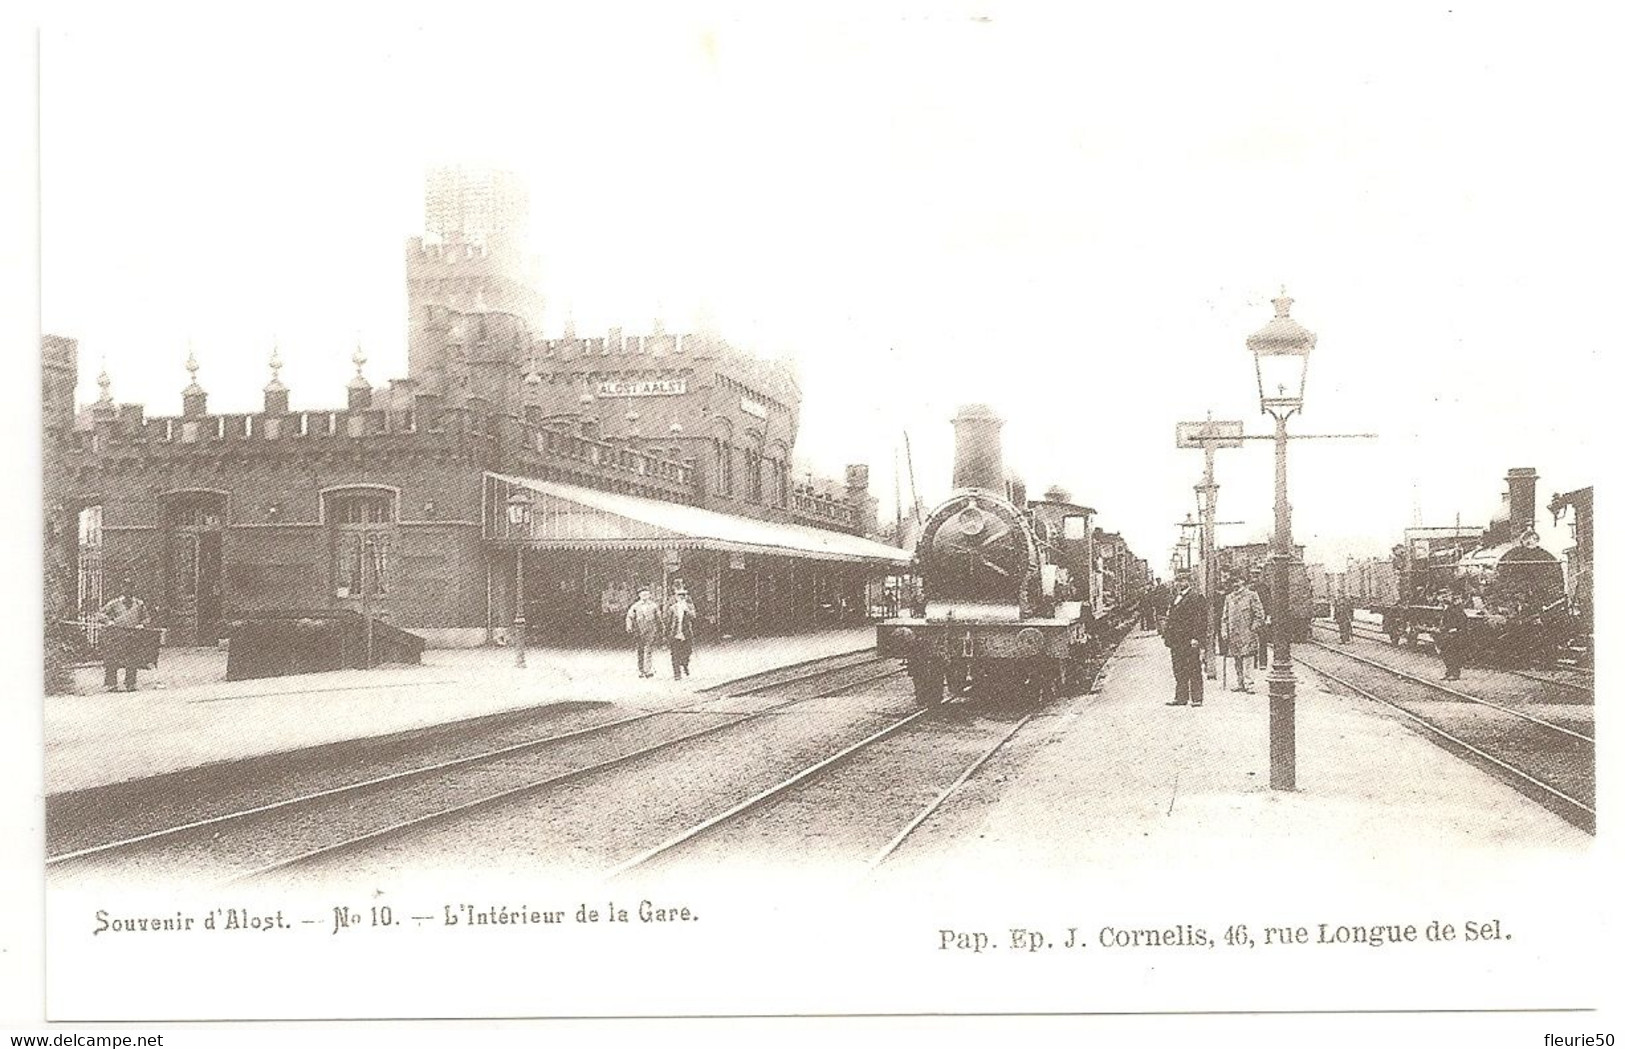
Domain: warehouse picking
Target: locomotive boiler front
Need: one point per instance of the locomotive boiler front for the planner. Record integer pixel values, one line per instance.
(988, 623)
(979, 558)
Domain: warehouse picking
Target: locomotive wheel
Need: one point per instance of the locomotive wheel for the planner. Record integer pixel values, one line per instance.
(928, 682)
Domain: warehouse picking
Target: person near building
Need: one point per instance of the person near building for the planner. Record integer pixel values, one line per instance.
(643, 623)
(1452, 641)
(1240, 627)
(680, 620)
(123, 642)
(1343, 612)
(1185, 634)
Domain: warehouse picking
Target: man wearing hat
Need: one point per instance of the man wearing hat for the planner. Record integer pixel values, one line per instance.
(643, 623)
(124, 615)
(680, 618)
(1185, 634)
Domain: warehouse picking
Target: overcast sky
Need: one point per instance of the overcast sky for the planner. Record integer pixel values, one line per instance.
(1075, 216)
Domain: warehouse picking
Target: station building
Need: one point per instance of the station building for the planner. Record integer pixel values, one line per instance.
(396, 505)
(652, 459)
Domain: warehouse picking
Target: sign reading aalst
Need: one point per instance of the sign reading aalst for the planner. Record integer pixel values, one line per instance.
(643, 388)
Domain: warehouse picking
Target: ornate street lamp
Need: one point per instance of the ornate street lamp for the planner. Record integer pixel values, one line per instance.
(1281, 356)
(519, 507)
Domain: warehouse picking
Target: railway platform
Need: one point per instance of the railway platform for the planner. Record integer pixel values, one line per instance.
(1118, 785)
(184, 715)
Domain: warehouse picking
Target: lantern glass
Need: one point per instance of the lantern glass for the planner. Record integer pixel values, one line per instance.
(1280, 380)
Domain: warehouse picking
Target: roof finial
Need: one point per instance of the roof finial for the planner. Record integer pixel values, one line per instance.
(193, 389)
(275, 385)
(105, 381)
(359, 359)
(1283, 305)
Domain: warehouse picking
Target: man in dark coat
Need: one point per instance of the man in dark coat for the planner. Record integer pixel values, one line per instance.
(1452, 640)
(679, 625)
(1185, 634)
(126, 616)
(1343, 609)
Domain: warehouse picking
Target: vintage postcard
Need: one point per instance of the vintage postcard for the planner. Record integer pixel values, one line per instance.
(934, 511)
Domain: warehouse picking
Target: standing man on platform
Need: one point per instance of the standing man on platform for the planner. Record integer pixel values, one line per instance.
(125, 616)
(1185, 634)
(680, 619)
(1452, 640)
(643, 623)
(1241, 625)
(1343, 610)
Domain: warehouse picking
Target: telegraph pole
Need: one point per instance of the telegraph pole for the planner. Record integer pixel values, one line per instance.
(1210, 436)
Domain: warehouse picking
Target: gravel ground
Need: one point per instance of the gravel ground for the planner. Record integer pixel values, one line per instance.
(592, 824)
(834, 823)
(85, 818)
(1565, 763)
(264, 838)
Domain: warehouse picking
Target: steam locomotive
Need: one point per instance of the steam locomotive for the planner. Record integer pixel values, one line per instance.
(1517, 606)
(1006, 583)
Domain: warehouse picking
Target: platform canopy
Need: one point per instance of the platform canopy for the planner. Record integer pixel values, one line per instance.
(569, 517)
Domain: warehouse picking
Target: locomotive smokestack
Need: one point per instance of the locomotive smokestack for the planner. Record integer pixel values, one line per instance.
(978, 454)
(1520, 500)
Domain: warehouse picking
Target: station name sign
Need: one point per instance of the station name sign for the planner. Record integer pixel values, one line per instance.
(1222, 433)
(644, 388)
(750, 407)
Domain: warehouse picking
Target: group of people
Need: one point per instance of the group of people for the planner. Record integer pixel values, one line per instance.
(649, 625)
(1242, 626)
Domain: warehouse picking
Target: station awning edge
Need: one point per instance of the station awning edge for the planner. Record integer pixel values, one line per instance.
(571, 517)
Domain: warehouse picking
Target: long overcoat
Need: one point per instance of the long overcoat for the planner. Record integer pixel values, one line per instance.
(1243, 622)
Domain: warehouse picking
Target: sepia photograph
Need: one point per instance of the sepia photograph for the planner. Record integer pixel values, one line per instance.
(961, 512)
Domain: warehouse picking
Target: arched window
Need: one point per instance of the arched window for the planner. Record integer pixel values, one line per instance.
(753, 475)
(361, 522)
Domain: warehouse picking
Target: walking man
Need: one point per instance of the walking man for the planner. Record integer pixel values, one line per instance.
(1241, 625)
(1344, 611)
(680, 619)
(1452, 640)
(1185, 634)
(643, 623)
(125, 616)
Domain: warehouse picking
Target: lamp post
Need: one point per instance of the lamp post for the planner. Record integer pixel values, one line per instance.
(1281, 356)
(519, 505)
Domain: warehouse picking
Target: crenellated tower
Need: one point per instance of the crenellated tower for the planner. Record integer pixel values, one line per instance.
(470, 284)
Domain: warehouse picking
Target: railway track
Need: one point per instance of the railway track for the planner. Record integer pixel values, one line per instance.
(325, 822)
(859, 785)
(1583, 687)
(1553, 763)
